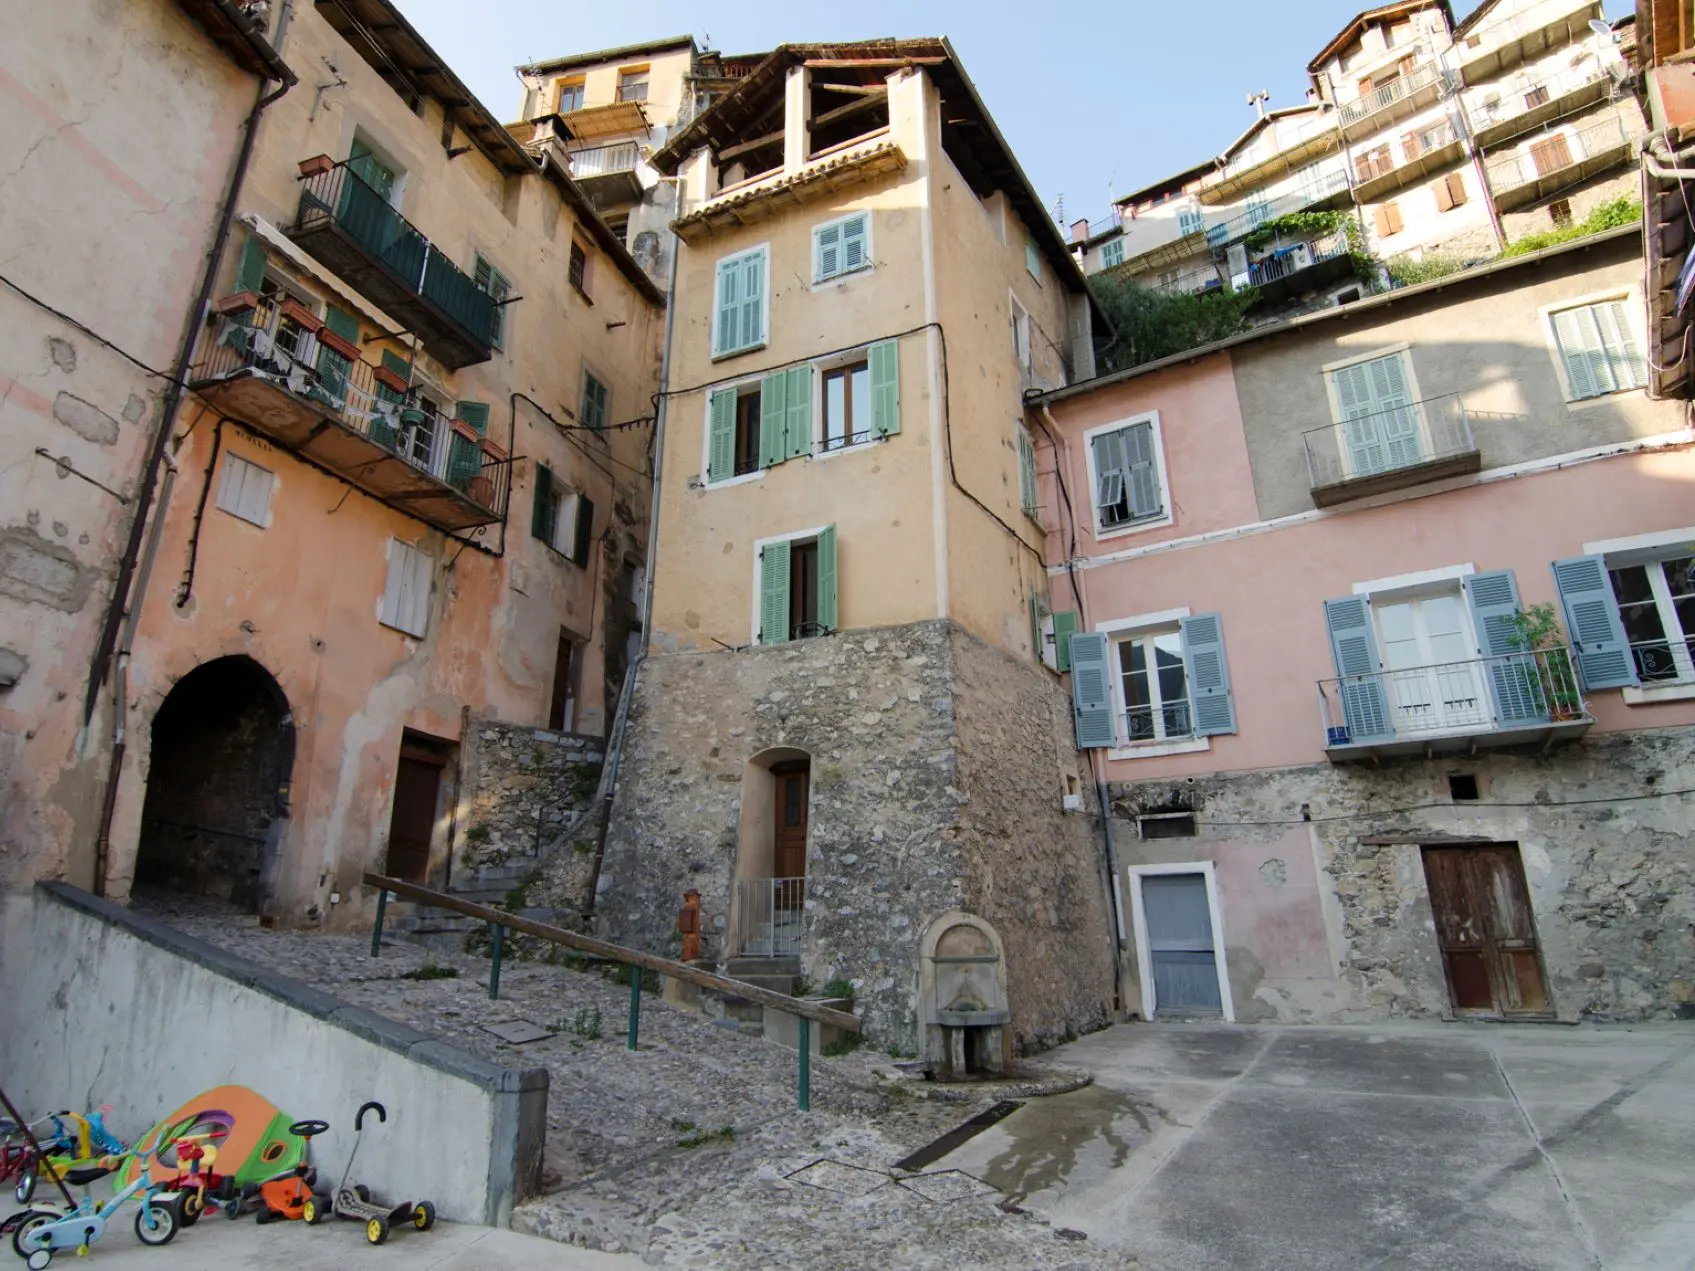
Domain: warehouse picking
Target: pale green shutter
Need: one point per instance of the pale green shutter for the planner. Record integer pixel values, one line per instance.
(827, 578)
(250, 273)
(1064, 624)
(1211, 704)
(541, 510)
(826, 251)
(464, 456)
(1587, 372)
(1515, 680)
(1625, 358)
(333, 368)
(798, 424)
(721, 441)
(1397, 419)
(753, 300)
(1359, 425)
(885, 387)
(774, 593)
(725, 324)
(855, 232)
(1597, 633)
(1091, 694)
(773, 416)
(1141, 474)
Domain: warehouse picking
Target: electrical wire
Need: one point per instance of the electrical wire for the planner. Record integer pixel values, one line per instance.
(92, 334)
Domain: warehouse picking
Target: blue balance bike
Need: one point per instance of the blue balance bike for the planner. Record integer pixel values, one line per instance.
(42, 1232)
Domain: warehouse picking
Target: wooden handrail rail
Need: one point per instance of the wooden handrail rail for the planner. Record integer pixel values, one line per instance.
(618, 953)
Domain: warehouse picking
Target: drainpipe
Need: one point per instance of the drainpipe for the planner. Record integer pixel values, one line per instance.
(1468, 135)
(131, 567)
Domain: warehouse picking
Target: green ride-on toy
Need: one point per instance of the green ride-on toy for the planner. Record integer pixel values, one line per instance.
(356, 1204)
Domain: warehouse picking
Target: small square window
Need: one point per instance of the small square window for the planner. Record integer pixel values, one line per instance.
(570, 96)
(1113, 253)
(244, 490)
(1559, 211)
(595, 397)
(841, 246)
(1462, 786)
(632, 86)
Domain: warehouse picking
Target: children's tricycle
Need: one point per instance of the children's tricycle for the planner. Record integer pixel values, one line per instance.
(356, 1203)
(198, 1180)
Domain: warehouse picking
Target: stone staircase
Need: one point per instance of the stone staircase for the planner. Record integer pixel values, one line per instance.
(777, 974)
(489, 885)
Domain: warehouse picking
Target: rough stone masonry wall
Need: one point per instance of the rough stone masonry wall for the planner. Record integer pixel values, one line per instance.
(1603, 836)
(1033, 870)
(520, 788)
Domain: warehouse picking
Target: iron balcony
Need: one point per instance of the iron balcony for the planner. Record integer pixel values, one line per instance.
(1555, 161)
(1390, 450)
(1395, 100)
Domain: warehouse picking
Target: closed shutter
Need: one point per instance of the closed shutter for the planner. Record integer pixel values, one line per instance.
(582, 530)
(1064, 623)
(1515, 681)
(885, 387)
(1588, 371)
(1392, 217)
(827, 251)
(1091, 696)
(721, 436)
(774, 593)
(753, 300)
(1593, 622)
(1026, 471)
(1398, 421)
(1618, 337)
(827, 578)
(1365, 705)
(1455, 184)
(1411, 145)
(406, 598)
(541, 510)
(1213, 706)
(1142, 472)
(726, 325)
(244, 490)
(250, 272)
(464, 456)
(1359, 425)
(333, 368)
(798, 412)
(1380, 219)
(856, 233)
(773, 419)
(475, 414)
(1550, 154)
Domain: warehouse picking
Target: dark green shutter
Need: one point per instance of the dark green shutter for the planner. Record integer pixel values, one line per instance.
(827, 578)
(1210, 702)
(774, 593)
(475, 414)
(1365, 704)
(1091, 694)
(1064, 623)
(583, 531)
(250, 273)
(721, 439)
(1592, 621)
(885, 388)
(773, 417)
(541, 511)
(333, 368)
(798, 425)
(344, 324)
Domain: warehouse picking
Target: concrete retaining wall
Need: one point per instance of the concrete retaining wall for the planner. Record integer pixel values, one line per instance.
(105, 1006)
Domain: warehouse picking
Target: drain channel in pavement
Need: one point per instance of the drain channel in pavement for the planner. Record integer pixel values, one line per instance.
(932, 1152)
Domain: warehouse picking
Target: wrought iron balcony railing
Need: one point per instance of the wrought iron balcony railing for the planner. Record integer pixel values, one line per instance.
(1383, 442)
(1289, 260)
(1169, 721)
(1552, 156)
(1391, 94)
(1511, 697)
(1497, 104)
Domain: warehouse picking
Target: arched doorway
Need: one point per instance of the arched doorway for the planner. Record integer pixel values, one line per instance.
(771, 854)
(217, 782)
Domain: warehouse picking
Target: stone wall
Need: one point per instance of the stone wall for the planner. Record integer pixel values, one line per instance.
(1321, 925)
(1625, 182)
(521, 787)
(916, 809)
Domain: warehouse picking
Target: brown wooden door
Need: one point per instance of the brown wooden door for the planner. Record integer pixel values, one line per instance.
(788, 856)
(1550, 155)
(417, 787)
(1484, 927)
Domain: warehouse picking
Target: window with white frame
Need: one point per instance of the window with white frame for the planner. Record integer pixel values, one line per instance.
(1190, 220)
(1126, 473)
(1599, 348)
(1153, 686)
(739, 303)
(561, 517)
(1656, 603)
(1032, 259)
(1113, 253)
(1027, 493)
(841, 246)
(244, 490)
(406, 598)
(795, 587)
(1378, 427)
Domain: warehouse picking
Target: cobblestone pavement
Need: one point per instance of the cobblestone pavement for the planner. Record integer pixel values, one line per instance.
(690, 1151)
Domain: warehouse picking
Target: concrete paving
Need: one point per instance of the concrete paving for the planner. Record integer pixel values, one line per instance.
(1213, 1148)
(216, 1244)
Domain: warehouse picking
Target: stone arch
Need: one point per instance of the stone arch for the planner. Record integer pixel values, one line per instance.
(763, 857)
(962, 996)
(218, 778)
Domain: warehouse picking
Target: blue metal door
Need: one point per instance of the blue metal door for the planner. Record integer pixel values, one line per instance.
(1180, 945)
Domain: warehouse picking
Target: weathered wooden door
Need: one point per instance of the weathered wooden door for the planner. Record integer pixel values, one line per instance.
(788, 856)
(1180, 945)
(1485, 929)
(417, 788)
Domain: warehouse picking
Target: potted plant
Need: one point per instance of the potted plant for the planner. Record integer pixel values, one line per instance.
(316, 166)
(1549, 672)
(389, 378)
(237, 303)
(338, 343)
(301, 316)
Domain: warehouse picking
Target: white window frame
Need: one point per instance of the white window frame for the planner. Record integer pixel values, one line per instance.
(401, 555)
(233, 489)
(817, 370)
(1648, 549)
(1167, 517)
(820, 279)
(736, 386)
(1144, 955)
(1032, 258)
(566, 501)
(1117, 631)
(799, 536)
(1631, 298)
(761, 249)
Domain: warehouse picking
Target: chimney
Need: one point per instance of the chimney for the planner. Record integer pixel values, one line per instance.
(1080, 231)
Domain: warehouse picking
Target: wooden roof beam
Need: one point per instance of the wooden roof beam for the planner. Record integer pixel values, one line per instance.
(852, 108)
(893, 63)
(747, 147)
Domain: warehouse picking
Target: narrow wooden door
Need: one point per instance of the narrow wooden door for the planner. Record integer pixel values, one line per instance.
(417, 786)
(788, 856)
(1485, 930)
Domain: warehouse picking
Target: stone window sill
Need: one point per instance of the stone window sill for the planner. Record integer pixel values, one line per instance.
(1675, 692)
(1147, 750)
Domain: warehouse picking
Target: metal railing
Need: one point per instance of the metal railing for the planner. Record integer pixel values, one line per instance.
(1402, 86)
(1188, 283)
(1105, 225)
(1225, 230)
(1169, 721)
(1388, 440)
(1474, 696)
(341, 197)
(600, 161)
(1487, 38)
(1507, 99)
(1508, 172)
(1664, 661)
(769, 918)
(1391, 157)
(268, 342)
(1290, 260)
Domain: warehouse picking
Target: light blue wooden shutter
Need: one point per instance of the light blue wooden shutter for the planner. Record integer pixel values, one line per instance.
(1365, 705)
(1091, 695)
(721, 441)
(1588, 373)
(773, 417)
(855, 232)
(1396, 415)
(753, 300)
(827, 251)
(774, 593)
(1592, 620)
(798, 425)
(1209, 675)
(1027, 496)
(1141, 472)
(1064, 623)
(1109, 475)
(1619, 336)
(885, 387)
(827, 577)
(250, 272)
(1514, 681)
(1365, 454)
(727, 322)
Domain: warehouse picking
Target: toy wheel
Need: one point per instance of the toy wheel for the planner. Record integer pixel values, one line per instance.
(155, 1224)
(362, 1192)
(39, 1259)
(232, 1209)
(193, 1205)
(26, 1185)
(376, 1231)
(28, 1223)
(424, 1216)
(312, 1211)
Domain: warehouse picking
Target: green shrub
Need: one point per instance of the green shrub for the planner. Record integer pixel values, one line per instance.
(1610, 215)
(1406, 272)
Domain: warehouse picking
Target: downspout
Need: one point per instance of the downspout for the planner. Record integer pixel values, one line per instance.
(132, 567)
(1468, 135)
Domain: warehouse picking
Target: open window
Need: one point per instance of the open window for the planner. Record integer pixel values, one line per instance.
(733, 431)
(1127, 475)
(562, 518)
(1159, 684)
(796, 586)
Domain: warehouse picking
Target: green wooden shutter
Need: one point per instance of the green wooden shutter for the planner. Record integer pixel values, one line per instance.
(721, 435)
(773, 418)
(726, 322)
(753, 300)
(855, 242)
(774, 593)
(1026, 472)
(1091, 695)
(1064, 623)
(475, 414)
(344, 324)
(250, 273)
(333, 368)
(1365, 704)
(826, 251)
(1592, 621)
(1515, 681)
(582, 533)
(1587, 371)
(541, 511)
(827, 578)
(798, 424)
(885, 387)
(1211, 702)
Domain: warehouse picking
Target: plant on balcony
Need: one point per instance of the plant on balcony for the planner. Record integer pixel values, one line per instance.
(1152, 324)
(1551, 677)
(1608, 215)
(1307, 226)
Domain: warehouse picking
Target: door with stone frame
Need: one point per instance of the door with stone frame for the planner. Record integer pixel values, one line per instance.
(792, 781)
(1485, 930)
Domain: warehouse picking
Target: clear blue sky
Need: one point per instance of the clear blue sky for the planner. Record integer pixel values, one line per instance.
(1091, 97)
